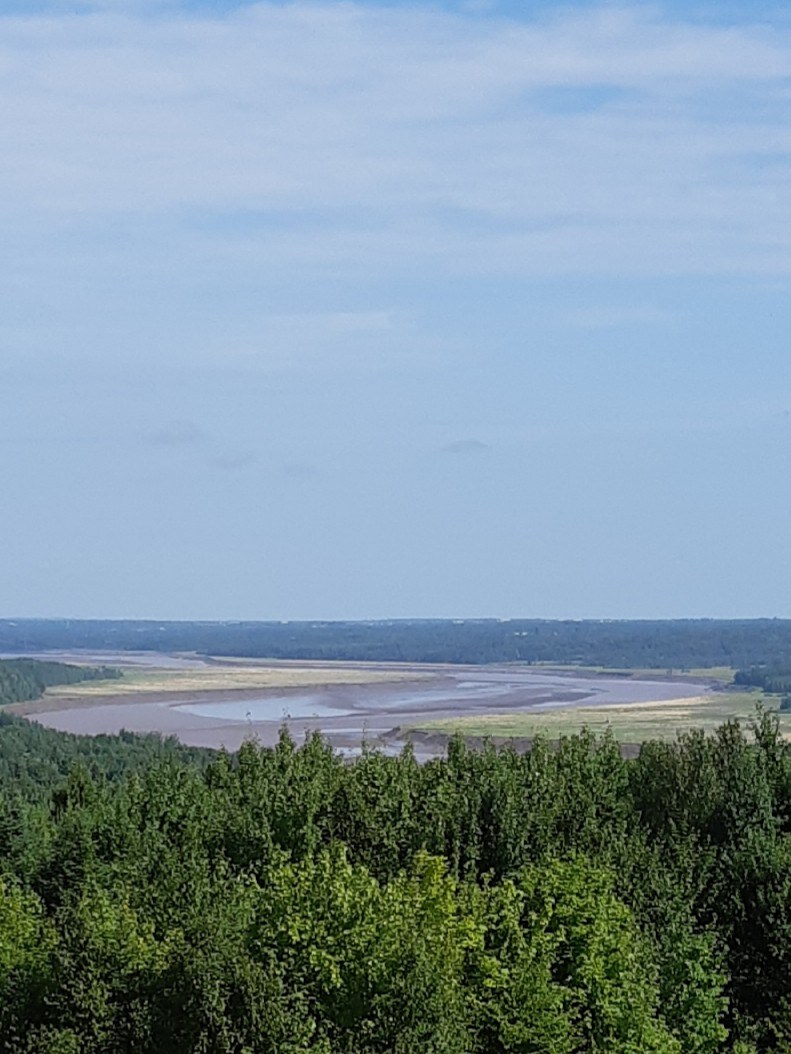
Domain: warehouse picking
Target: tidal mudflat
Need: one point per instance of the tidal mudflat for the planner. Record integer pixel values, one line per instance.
(221, 703)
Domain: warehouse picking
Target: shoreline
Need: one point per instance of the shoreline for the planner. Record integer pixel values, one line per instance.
(382, 708)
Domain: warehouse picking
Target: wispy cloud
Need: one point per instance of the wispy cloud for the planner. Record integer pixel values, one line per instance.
(611, 316)
(466, 448)
(188, 436)
(176, 434)
(296, 249)
(232, 460)
(301, 470)
(372, 138)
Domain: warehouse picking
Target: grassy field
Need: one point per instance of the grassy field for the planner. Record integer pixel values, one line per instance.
(721, 674)
(629, 724)
(226, 678)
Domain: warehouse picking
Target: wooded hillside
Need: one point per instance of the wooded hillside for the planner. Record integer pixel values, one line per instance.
(287, 901)
(661, 644)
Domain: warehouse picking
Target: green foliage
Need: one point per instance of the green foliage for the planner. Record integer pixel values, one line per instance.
(23, 679)
(284, 901)
(27, 941)
(566, 967)
(34, 759)
(772, 677)
(678, 644)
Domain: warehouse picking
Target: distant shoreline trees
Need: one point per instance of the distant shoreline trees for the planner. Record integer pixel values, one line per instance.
(681, 644)
(25, 679)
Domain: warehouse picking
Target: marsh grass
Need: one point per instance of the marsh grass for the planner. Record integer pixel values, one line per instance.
(721, 674)
(632, 723)
(226, 679)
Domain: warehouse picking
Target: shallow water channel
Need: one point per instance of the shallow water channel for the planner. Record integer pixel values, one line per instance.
(348, 713)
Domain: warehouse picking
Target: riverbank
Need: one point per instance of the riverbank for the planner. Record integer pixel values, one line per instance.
(218, 702)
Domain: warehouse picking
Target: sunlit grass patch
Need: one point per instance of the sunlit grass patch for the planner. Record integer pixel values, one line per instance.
(632, 723)
(723, 674)
(227, 678)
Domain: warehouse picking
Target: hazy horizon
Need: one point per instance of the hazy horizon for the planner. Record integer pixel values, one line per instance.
(363, 310)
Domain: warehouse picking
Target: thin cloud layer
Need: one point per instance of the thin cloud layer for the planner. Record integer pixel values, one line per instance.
(232, 460)
(466, 448)
(176, 434)
(422, 310)
(361, 137)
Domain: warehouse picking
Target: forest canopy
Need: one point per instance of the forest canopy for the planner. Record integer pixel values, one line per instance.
(23, 679)
(284, 900)
(672, 644)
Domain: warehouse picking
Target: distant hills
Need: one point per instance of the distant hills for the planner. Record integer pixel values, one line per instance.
(676, 644)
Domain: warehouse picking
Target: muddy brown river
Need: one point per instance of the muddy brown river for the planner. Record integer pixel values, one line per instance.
(350, 713)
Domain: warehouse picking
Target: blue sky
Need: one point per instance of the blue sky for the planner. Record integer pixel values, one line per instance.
(379, 310)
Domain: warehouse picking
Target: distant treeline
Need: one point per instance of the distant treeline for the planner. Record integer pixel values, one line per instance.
(284, 901)
(677, 644)
(23, 679)
(772, 677)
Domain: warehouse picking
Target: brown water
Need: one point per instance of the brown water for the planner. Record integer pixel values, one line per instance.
(346, 714)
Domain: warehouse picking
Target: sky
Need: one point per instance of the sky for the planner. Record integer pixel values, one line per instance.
(382, 310)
